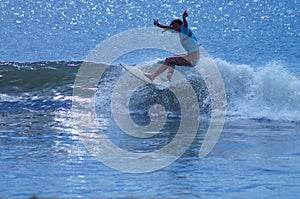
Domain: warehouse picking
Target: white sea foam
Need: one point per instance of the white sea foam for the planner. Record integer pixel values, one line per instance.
(270, 91)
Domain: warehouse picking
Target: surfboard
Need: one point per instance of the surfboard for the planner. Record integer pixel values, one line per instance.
(138, 73)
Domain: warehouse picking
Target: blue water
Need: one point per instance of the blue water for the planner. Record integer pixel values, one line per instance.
(255, 45)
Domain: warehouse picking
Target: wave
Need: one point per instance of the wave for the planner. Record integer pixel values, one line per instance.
(29, 77)
(270, 92)
(36, 86)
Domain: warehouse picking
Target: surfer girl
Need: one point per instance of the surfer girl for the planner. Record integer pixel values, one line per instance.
(188, 42)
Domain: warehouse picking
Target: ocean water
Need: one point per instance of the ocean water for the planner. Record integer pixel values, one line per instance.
(255, 47)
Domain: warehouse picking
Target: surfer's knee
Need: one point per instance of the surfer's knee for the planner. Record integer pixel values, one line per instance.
(169, 62)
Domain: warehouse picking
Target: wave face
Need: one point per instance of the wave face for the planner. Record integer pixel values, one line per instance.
(270, 92)
(36, 86)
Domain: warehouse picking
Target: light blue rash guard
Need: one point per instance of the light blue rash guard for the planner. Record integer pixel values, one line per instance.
(188, 40)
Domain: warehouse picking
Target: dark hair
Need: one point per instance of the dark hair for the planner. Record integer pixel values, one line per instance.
(176, 21)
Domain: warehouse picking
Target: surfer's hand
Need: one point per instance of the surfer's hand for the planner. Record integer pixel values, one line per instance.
(185, 14)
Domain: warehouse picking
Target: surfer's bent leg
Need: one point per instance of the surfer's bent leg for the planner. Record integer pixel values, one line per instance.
(175, 61)
(169, 64)
(170, 72)
(161, 69)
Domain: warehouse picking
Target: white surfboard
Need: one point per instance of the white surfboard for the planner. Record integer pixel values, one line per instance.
(138, 73)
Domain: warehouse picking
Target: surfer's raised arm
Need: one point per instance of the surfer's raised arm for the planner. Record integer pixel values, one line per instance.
(184, 16)
(156, 23)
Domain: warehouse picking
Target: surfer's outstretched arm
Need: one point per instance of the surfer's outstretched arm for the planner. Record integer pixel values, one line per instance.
(156, 23)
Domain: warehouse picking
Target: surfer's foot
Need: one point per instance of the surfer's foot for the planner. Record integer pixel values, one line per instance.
(149, 76)
(165, 79)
